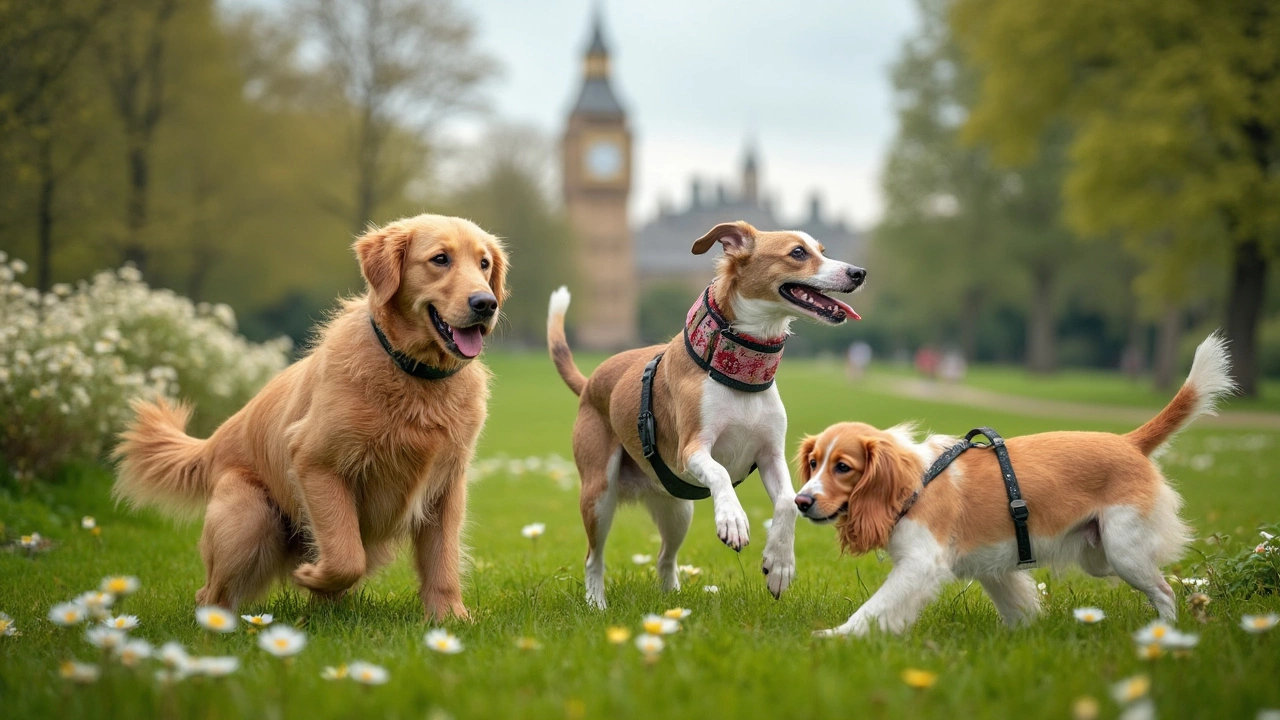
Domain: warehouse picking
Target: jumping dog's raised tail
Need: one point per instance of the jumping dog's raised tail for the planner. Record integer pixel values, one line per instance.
(159, 464)
(1208, 382)
(558, 344)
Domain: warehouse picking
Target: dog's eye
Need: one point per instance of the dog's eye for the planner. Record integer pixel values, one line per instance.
(484, 263)
(799, 253)
(813, 464)
(842, 468)
(441, 260)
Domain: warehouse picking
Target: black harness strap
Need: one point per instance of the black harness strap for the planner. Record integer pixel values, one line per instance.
(408, 364)
(648, 428)
(1017, 506)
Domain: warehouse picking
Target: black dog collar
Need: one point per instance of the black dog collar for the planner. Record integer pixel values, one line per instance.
(414, 367)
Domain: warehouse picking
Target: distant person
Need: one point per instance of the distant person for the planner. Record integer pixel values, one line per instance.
(859, 358)
(927, 362)
(953, 367)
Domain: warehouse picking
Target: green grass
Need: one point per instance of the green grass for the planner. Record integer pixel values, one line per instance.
(740, 654)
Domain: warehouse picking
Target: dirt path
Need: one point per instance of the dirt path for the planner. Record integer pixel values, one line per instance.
(1035, 407)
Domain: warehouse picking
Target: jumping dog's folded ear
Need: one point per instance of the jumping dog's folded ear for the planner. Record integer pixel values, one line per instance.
(736, 237)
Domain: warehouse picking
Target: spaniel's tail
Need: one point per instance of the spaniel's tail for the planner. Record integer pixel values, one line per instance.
(561, 355)
(1209, 382)
(159, 464)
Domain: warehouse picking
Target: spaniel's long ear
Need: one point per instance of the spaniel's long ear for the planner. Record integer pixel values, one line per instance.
(498, 275)
(891, 476)
(803, 454)
(381, 253)
(736, 237)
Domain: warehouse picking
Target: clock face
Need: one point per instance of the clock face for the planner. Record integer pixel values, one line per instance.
(604, 159)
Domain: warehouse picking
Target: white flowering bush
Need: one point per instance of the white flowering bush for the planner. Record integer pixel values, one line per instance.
(72, 359)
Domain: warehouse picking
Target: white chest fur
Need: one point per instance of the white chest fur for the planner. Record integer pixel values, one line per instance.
(739, 426)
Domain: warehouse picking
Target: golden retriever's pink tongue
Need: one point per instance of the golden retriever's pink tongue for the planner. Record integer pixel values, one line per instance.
(469, 340)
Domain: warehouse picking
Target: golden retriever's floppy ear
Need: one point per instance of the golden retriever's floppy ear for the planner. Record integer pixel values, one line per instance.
(498, 275)
(736, 237)
(381, 253)
(802, 456)
(891, 476)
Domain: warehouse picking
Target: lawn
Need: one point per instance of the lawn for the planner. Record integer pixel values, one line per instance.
(739, 654)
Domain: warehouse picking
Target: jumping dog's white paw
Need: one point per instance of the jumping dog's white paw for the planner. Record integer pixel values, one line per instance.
(780, 568)
(732, 525)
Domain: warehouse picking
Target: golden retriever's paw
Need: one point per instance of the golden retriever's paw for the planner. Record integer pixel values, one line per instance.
(444, 609)
(324, 583)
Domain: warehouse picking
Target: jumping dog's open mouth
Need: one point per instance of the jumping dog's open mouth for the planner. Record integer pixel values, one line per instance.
(464, 342)
(821, 306)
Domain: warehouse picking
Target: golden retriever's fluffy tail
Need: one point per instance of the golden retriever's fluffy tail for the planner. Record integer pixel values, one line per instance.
(559, 345)
(159, 464)
(1208, 382)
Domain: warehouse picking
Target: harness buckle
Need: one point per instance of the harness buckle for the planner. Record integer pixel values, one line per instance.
(648, 434)
(1018, 509)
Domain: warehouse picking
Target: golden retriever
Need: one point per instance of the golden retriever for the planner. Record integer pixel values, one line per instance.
(345, 452)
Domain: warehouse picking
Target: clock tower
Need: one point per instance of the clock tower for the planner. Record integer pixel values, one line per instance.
(597, 182)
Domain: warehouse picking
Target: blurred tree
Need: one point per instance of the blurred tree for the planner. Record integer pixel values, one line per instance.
(406, 63)
(131, 52)
(507, 193)
(1175, 108)
(998, 229)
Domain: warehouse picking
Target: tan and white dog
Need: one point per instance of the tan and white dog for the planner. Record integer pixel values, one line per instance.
(1096, 500)
(710, 434)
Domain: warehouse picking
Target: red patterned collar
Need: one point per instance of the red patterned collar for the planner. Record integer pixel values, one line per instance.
(738, 361)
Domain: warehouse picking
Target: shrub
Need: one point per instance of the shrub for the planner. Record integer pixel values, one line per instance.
(1245, 570)
(72, 359)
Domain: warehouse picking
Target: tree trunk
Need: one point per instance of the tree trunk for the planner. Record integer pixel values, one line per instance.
(1244, 310)
(44, 215)
(1042, 330)
(135, 250)
(1167, 344)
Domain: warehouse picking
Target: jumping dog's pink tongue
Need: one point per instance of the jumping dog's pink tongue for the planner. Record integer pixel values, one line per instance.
(469, 340)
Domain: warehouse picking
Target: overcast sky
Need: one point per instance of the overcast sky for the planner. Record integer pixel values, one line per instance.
(808, 79)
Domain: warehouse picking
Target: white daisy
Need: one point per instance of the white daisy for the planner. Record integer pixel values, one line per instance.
(88, 523)
(442, 641)
(6, 626)
(119, 584)
(1259, 623)
(78, 672)
(1181, 641)
(658, 625)
(133, 652)
(711, 588)
(1154, 633)
(1131, 689)
(367, 673)
(215, 619)
(690, 570)
(215, 667)
(31, 541)
(677, 613)
(67, 614)
(650, 645)
(258, 620)
(121, 622)
(174, 656)
(334, 673)
(96, 602)
(282, 641)
(641, 559)
(105, 638)
(1089, 615)
(1141, 710)
(533, 530)
(1044, 589)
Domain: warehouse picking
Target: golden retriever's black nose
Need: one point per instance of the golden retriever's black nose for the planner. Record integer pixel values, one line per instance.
(857, 275)
(483, 304)
(804, 502)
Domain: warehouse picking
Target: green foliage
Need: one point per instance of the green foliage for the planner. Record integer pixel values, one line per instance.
(1242, 569)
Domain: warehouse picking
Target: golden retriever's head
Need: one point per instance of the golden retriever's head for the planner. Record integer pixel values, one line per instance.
(781, 274)
(435, 284)
(858, 477)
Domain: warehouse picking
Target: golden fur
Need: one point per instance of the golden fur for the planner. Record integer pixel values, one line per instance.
(342, 454)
